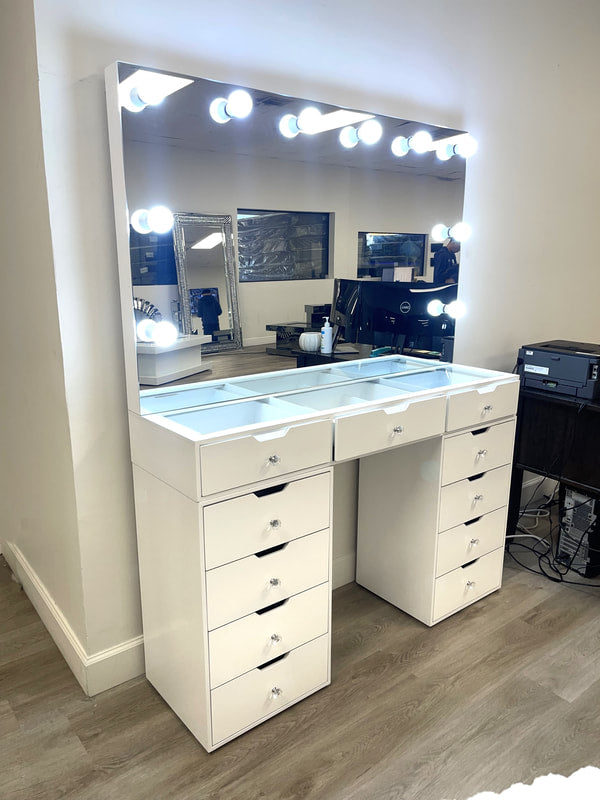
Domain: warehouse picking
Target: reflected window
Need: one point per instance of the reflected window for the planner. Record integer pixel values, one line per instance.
(282, 245)
(379, 253)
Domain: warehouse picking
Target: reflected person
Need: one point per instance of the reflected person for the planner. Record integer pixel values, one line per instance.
(445, 266)
(209, 310)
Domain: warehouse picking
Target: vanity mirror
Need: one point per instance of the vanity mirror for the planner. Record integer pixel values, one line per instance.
(175, 153)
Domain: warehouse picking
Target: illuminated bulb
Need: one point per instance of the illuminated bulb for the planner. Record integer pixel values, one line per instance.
(164, 333)
(348, 137)
(238, 105)
(145, 330)
(288, 126)
(139, 221)
(400, 146)
(466, 146)
(444, 152)
(160, 219)
(370, 131)
(420, 142)
(440, 232)
(435, 308)
(461, 231)
(456, 309)
(309, 120)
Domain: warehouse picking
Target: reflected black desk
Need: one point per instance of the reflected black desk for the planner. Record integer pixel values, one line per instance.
(557, 437)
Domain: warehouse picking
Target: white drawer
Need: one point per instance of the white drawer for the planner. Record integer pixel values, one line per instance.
(370, 431)
(241, 587)
(480, 406)
(464, 585)
(477, 451)
(253, 522)
(473, 497)
(259, 694)
(248, 459)
(468, 541)
(260, 637)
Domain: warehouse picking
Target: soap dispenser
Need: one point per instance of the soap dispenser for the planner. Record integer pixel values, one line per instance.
(326, 337)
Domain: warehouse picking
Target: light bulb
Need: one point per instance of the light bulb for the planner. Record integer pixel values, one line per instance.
(239, 104)
(217, 110)
(400, 146)
(466, 146)
(456, 309)
(435, 308)
(308, 120)
(288, 126)
(145, 330)
(440, 232)
(444, 152)
(164, 333)
(160, 219)
(348, 137)
(420, 142)
(139, 221)
(133, 102)
(370, 131)
(461, 231)
(150, 92)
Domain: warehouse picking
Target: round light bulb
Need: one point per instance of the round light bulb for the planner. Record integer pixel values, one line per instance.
(133, 102)
(160, 219)
(309, 120)
(151, 92)
(217, 110)
(164, 333)
(145, 330)
(439, 232)
(239, 104)
(456, 309)
(348, 137)
(370, 131)
(435, 308)
(288, 126)
(420, 142)
(461, 231)
(400, 146)
(466, 146)
(444, 152)
(139, 221)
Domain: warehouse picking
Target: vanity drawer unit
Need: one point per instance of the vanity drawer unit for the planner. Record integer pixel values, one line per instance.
(234, 508)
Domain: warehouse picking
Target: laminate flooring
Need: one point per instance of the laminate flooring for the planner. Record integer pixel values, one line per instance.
(504, 691)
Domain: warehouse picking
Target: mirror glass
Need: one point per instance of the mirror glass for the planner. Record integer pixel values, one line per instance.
(174, 153)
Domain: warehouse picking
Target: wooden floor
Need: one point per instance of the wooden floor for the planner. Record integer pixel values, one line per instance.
(504, 691)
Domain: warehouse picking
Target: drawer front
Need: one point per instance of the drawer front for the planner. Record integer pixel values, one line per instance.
(259, 694)
(471, 498)
(464, 585)
(253, 640)
(464, 543)
(359, 434)
(242, 587)
(480, 406)
(253, 522)
(471, 453)
(248, 459)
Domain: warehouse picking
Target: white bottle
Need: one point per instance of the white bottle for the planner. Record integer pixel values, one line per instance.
(326, 337)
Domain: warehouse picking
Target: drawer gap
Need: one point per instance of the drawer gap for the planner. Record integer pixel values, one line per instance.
(476, 477)
(273, 661)
(270, 490)
(270, 550)
(479, 431)
(273, 606)
(469, 563)
(472, 521)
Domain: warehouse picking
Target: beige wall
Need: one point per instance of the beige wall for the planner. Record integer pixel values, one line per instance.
(521, 75)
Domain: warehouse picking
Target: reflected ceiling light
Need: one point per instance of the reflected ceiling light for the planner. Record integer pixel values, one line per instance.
(210, 241)
(158, 219)
(238, 105)
(420, 142)
(368, 132)
(456, 309)
(144, 88)
(459, 231)
(164, 333)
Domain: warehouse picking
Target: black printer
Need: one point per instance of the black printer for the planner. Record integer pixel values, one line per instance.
(567, 368)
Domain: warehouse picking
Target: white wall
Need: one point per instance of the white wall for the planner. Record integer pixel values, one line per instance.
(359, 199)
(520, 75)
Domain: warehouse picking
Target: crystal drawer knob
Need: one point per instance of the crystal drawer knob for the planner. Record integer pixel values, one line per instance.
(398, 429)
(481, 453)
(276, 692)
(474, 542)
(478, 497)
(275, 523)
(274, 459)
(275, 638)
(275, 582)
(487, 409)
(470, 584)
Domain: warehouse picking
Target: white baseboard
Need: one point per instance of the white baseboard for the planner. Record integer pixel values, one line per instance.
(95, 672)
(344, 570)
(535, 490)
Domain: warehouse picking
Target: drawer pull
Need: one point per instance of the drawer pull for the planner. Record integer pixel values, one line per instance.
(477, 497)
(487, 409)
(474, 542)
(276, 692)
(481, 453)
(275, 523)
(398, 429)
(275, 638)
(470, 584)
(274, 459)
(275, 582)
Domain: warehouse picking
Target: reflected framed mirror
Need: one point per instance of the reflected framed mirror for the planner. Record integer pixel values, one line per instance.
(206, 277)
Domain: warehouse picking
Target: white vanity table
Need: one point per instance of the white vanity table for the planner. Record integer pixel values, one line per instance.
(233, 486)
(158, 365)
